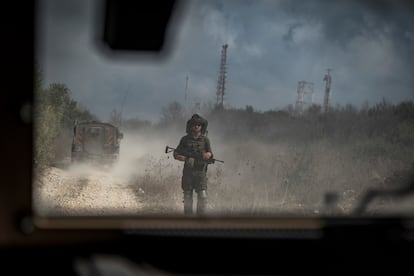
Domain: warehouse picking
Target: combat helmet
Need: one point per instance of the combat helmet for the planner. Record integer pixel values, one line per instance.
(197, 119)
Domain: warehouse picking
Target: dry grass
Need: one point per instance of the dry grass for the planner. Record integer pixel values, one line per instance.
(276, 164)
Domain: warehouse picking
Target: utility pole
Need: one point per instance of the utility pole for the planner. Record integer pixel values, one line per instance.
(327, 100)
(122, 108)
(299, 100)
(221, 83)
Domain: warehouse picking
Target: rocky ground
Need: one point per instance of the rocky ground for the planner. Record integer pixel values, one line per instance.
(93, 191)
(89, 192)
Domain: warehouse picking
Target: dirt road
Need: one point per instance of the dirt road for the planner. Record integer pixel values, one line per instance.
(86, 191)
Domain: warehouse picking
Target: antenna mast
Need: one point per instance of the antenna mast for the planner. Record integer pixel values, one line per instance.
(222, 77)
(326, 102)
(122, 108)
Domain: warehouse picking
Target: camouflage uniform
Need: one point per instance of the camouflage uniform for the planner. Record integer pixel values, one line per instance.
(195, 171)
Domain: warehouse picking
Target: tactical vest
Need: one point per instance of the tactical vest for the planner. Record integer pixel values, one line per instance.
(197, 145)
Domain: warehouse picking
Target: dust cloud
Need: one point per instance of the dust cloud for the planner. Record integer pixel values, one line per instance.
(279, 166)
(127, 187)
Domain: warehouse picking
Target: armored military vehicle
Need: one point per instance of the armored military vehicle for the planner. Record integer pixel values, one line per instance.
(95, 142)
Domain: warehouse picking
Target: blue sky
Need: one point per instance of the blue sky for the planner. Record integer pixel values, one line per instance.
(273, 44)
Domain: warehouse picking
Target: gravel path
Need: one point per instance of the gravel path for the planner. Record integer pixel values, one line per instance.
(80, 191)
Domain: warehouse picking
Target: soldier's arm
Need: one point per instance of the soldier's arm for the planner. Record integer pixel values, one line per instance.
(176, 154)
(208, 152)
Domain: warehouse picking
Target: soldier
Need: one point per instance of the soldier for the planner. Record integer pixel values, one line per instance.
(195, 169)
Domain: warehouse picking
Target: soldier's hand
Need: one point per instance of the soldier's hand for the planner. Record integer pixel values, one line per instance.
(180, 157)
(207, 155)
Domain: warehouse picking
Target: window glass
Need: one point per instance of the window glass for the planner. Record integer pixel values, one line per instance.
(308, 109)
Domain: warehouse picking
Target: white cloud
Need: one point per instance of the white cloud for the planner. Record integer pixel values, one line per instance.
(253, 49)
(307, 34)
(216, 25)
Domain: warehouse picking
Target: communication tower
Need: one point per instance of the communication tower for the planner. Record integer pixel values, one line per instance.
(221, 84)
(327, 100)
(305, 96)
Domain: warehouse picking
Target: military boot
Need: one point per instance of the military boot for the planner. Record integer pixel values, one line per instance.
(201, 202)
(188, 202)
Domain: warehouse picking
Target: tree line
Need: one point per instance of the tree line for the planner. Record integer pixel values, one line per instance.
(54, 114)
(382, 124)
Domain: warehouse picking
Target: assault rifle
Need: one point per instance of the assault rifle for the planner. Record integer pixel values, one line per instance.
(195, 155)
